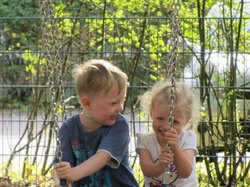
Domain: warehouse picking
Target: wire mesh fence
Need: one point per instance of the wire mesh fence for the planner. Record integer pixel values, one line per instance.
(139, 46)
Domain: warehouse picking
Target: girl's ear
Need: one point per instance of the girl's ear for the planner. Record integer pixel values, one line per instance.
(85, 102)
(188, 119)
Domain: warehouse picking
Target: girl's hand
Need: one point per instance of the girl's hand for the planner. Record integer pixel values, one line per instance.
(166, 158)
(172, 137)
(63, 170)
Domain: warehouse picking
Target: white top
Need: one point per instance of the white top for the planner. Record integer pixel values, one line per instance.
(187, 141)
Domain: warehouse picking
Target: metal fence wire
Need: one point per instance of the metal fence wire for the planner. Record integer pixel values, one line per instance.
(213, 62)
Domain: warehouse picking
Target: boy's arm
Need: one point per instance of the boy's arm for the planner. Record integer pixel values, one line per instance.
(57, 180)
(88, 167)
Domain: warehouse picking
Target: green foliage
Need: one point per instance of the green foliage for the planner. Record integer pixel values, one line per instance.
(21, 31)
(204, 180)
(134, 35)
(16, 8)
(33, 178)
(138, 174)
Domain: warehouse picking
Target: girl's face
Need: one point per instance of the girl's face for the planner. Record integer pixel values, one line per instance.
(103, 109)
(160, 118)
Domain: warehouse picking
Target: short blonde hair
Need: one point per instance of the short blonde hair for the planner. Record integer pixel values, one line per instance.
(98, 76)
(185, 100)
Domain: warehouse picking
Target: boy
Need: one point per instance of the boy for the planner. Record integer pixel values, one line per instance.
(95, 141)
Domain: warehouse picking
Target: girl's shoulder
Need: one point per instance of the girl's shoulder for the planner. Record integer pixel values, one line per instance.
(188, 140)
(145, 135)
(188, 133)
(146, 138)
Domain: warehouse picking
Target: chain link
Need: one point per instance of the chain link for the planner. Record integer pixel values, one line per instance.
(51, 46)
(174, 24)
(174, 36)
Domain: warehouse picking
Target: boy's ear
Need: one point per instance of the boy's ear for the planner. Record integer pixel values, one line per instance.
(85, 102)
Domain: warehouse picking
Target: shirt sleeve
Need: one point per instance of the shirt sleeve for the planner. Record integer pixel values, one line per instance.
(140, 143)
(190, 141)
(116, 141)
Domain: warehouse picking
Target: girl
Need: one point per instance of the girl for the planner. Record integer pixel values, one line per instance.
(168, 153)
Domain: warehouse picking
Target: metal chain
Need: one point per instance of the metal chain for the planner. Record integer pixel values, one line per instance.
(174, 36)
(174, 23)
(55, 73)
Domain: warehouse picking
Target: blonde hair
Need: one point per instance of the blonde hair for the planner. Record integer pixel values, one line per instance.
(98, 76)
(185, 100)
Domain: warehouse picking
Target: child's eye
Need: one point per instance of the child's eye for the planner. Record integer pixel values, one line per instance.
(160, 118)
(176, 123)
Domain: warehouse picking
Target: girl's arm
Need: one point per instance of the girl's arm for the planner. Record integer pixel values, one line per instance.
(149, 167)
(90, 166)
(184, 161)
(183, 158)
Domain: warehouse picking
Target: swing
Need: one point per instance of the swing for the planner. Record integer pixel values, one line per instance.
(54, 64)
(52, 50)
(174, 23)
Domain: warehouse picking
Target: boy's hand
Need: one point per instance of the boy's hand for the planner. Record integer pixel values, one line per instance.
(63, 170)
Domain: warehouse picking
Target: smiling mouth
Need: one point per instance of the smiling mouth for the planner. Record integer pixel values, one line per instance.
(162, 130)
(113, 117)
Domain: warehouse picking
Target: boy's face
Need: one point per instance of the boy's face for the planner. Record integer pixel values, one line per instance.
(160, 118)
(104, 108)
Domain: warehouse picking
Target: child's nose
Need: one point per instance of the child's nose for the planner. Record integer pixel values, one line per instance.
(120, 107)
(166, 123)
